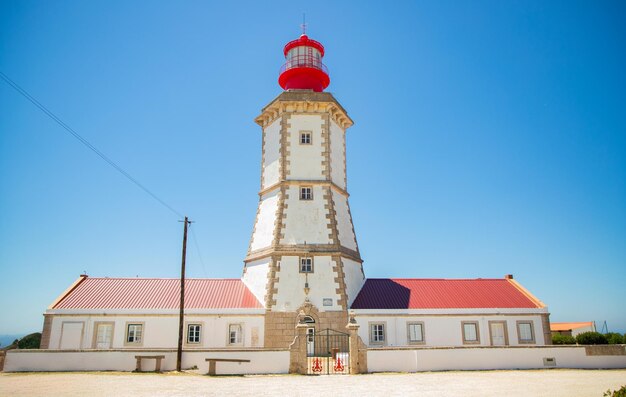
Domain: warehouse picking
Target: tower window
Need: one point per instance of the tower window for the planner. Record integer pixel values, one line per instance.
(306, 193)
(306, 265)
(305, 137)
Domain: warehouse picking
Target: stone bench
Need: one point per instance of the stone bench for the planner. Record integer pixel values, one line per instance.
(212, 362)
(157, 358)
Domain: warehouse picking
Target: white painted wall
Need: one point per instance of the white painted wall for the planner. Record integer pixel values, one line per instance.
(290, 284)
(445, 330)
(305, 161)
(337, 152)
(271, 162)
(354, 278)
(413, 360)
(161, 331)
(261, 361)
(344, 221)
(306, 219)
(264, 226)
(255, 278)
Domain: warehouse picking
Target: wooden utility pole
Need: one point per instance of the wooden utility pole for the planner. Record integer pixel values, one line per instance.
(181, 318)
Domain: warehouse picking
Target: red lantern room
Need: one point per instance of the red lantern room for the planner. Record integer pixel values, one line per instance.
(304, 69)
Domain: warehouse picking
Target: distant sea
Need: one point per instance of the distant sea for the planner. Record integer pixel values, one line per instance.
(6, 340)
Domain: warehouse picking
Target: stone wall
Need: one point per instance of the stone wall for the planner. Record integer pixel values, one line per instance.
(280, 327)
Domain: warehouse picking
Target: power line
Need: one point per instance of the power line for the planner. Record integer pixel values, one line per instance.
(82, 140)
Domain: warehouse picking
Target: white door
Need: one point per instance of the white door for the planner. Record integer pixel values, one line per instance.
(71, 335)
(310, 342)
(497, 334)
(104, 334)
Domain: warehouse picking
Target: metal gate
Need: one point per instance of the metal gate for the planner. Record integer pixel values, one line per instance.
(328, 353)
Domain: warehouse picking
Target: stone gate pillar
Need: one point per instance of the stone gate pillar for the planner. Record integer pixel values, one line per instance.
(353, 329)
(297, 350)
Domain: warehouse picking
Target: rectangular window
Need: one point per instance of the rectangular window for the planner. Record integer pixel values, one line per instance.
(104, 335)
(193, 333)
(305, 137)
(416, 332)
(134, 333)
(470, 332)
(306, 193)
(525, 332)
(377, 333)
(235, 336)
(306, 265)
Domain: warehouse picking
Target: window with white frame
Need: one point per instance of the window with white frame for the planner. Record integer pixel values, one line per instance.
(235, 334)
(305, 137)
(470, 332)
(306, 265)
(525, 332)
(306, 193)
(134, 333)
(377, 333)
(415, 332)
(193, 333)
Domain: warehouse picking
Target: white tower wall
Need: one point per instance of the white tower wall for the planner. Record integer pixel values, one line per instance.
(289, 227)
(270, 173)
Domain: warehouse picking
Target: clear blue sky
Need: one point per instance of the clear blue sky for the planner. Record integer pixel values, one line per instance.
(489, 138)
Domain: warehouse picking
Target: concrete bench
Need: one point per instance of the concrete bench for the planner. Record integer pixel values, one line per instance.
(157, 358)
(212, 362)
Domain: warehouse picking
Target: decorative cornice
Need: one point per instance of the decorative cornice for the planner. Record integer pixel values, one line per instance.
(303, 249)
(308, 182)
(304, 102)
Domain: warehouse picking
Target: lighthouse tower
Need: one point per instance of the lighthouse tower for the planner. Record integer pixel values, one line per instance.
(303, 254)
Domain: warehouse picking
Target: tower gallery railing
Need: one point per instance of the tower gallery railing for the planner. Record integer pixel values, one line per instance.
(304, 61)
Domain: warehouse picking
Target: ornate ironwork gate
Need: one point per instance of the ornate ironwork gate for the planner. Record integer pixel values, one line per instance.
(328, 353)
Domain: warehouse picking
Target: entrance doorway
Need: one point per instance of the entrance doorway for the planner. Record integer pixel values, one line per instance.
(497, 330)
(310, 335)
(330, 354)
(71, 335)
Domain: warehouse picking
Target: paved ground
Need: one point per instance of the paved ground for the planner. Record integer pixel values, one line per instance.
(554, 383)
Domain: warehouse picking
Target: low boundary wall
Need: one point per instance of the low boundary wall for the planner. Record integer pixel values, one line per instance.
(486, 358)
(276, 361)
(265, 361)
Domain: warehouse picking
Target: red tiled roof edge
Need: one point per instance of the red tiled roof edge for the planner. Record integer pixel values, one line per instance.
(68, 291)
(526, 292)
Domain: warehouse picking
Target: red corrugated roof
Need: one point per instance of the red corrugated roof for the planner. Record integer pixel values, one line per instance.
(415, 293)
(158, 293)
